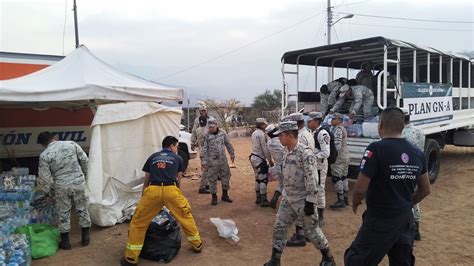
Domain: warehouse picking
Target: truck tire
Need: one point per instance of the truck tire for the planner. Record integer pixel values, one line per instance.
(185, 156)
(433, 159)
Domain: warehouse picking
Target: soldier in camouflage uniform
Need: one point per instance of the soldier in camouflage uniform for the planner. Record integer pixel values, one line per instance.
(299, 197)
(214, 160)
(304, 136)
(325, 92)
(322, 152)
(340, 168)
(277, 151)
(62, 166)
(365, 77)
(363, 98)
(260, 159)
(197, 138)
(307, 139)
(415, 136)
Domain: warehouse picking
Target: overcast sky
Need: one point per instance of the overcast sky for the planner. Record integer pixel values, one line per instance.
(155, 39)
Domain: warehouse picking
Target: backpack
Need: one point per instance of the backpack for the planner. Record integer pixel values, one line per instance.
(332, 146)
(162, 239)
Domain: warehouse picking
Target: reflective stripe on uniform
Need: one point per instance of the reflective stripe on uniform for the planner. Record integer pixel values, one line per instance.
(193, 238)
(134, 247)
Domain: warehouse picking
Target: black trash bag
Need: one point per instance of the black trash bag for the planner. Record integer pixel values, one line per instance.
(162, 239)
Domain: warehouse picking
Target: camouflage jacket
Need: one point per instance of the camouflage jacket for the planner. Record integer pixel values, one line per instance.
(62, 163)
(359, 93)
(198, 136)
(415, 136)
(340, 140)
(306, 138)
(333, 88)
(259, 144)
(365, 78)
(277, 150)
(300, 176)
(213, 148)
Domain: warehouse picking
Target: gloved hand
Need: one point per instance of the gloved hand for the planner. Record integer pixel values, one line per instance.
(308, 208)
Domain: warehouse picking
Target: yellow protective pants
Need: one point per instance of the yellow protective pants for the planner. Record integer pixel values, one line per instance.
(153, 199)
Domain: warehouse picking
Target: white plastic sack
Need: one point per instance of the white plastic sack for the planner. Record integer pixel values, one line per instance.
(226, 228)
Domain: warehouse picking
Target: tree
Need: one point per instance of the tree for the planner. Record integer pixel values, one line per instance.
(267, 101)
(225, 110)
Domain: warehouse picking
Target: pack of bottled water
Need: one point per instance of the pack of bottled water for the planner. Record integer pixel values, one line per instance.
(14, 250)
(16, 193)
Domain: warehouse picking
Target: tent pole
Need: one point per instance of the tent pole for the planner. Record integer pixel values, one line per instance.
(76, 30)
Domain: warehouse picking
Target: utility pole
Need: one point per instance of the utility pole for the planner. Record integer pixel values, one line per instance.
(329, 11)
(76, 30)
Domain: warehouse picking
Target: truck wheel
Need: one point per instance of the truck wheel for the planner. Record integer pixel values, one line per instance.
(185, 156)
(433, 159)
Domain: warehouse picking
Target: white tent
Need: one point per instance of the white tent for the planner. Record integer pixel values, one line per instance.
(82, 79)
(123, 136)
(128, 126)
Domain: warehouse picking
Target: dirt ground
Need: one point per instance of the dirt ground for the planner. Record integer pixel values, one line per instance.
(446, 227)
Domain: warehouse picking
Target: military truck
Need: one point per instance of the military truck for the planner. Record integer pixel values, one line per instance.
(435, 86)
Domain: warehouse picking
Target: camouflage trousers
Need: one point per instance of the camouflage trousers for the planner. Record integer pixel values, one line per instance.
(215, 171)
(287, 214)
(276, 172)
(204, 179)
(261, 175)
(340, 168)
(65, 197)
(341, 185)
(321, 203)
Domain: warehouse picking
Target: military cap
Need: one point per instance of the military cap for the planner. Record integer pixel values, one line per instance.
(285, 118)
(343, 90)
(270, 128)
(315, 115)
(261, 120)
(211, 122)
(296, 117)
(338, 115)
(286, 126)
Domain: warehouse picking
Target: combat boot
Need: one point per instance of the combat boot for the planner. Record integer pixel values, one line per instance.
(265, 202)
(225, 196)
(275, 259)
(417, 231)
(346, 198)
(298, 239)
(64, 243)
(321, 216)
(340, 202)
(259, 198)
(328, 259)
(86, 239)
(214, 200)
(274, 201)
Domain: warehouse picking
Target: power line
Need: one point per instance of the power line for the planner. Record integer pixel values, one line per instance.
(410, 28)
(410, 19)
(241, 47)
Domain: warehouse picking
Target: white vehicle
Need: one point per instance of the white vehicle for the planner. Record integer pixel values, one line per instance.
(184, 147)
(435, 86)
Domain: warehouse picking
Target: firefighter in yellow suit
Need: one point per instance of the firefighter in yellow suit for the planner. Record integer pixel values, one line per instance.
(163, 170)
